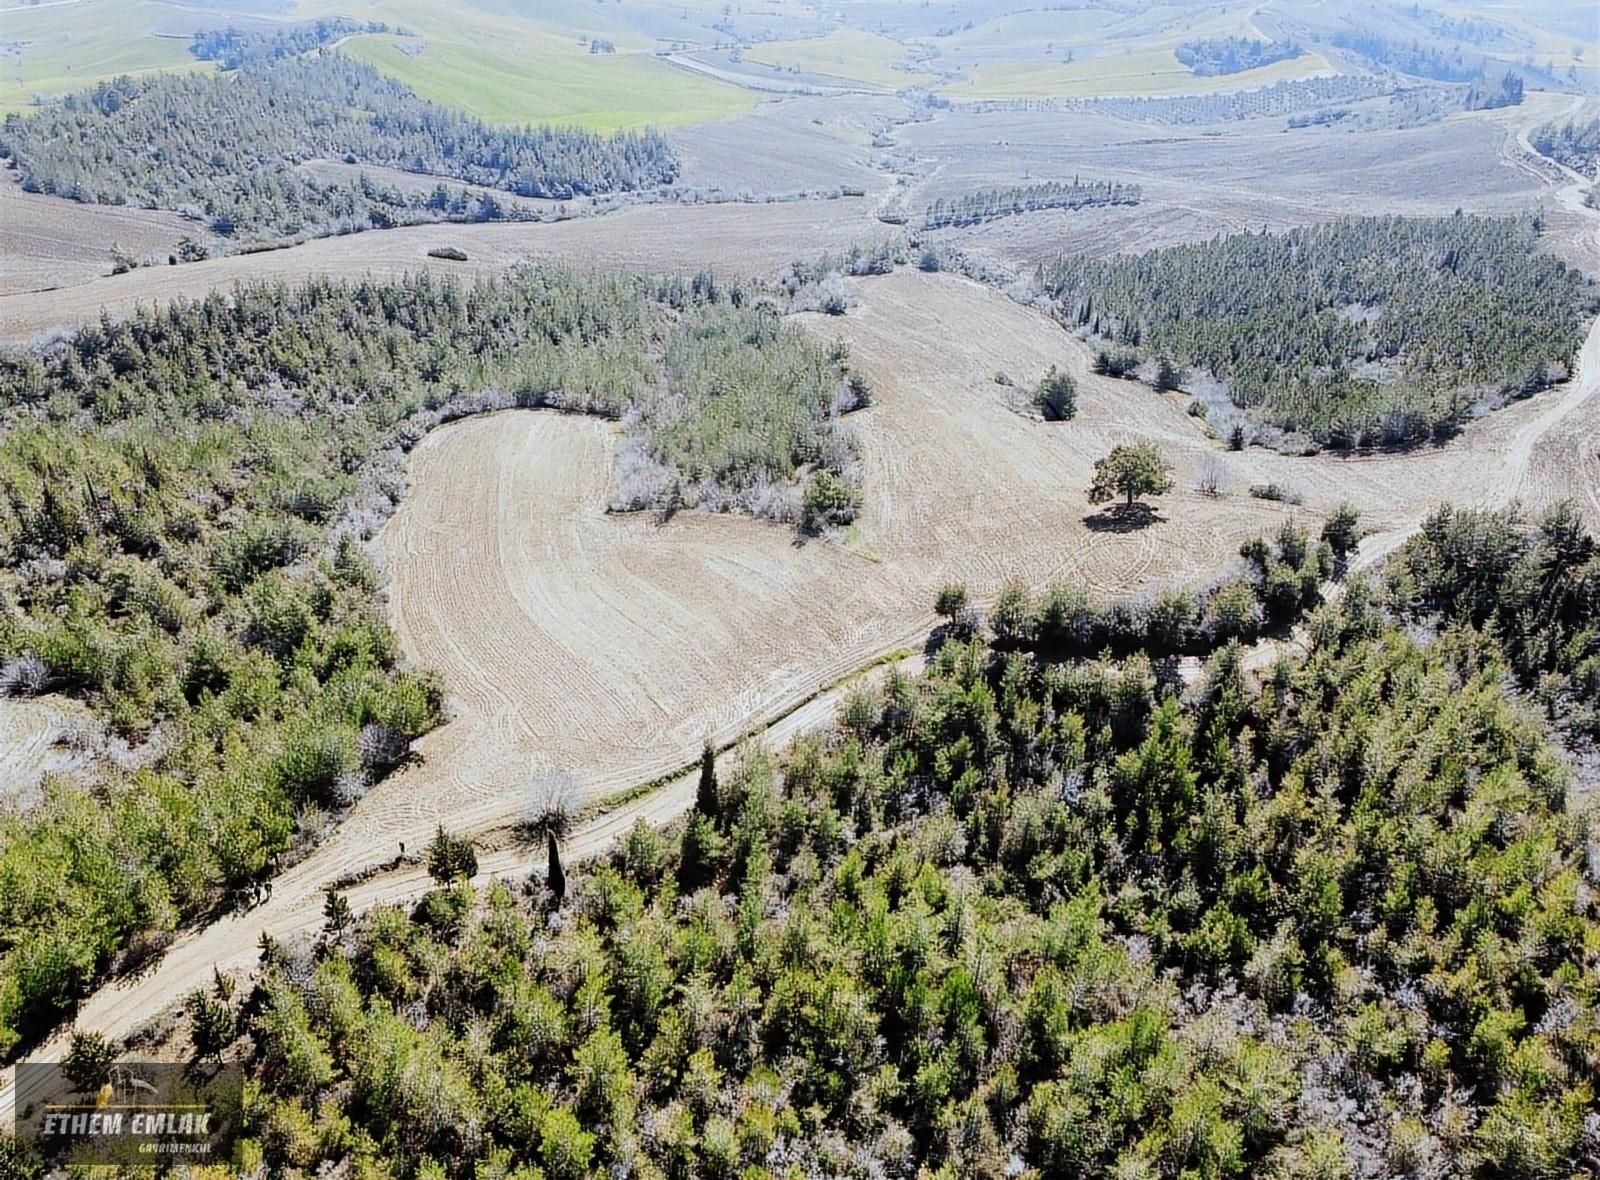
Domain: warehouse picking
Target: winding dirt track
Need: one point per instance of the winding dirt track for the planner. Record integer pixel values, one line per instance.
(610, 647)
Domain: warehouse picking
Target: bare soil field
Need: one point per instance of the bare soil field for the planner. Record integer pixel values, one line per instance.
(1201, 181)
(824, 145)
(735, 238)
(50, 242)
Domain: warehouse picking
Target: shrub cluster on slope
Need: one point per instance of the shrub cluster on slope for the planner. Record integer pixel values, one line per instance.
(173, 490)
(224, 148)
(1361, 331)
(1011, 917)
(990, 204)
(1209, 57)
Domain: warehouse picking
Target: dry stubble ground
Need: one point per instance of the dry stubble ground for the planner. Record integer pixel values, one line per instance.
(48, 242)
(733, 238)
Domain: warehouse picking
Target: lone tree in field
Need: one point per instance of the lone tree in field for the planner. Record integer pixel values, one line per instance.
(1131, 471)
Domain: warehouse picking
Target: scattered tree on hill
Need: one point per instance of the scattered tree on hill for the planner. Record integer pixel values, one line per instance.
(336, 912)
(1056, 396)
(1342, 530)
(213, 1020)
(1131, 471)
(829, 502)
(451, 858)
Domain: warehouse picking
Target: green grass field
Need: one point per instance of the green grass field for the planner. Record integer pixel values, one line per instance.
(484, 56)
(537, 82)
(61, 48)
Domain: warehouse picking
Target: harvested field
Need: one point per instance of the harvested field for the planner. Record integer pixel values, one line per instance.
(1200, 181)
(824, 146)
(734, 238)
(50, 242)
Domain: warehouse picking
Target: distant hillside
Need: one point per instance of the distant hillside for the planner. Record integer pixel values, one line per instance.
(222, 149)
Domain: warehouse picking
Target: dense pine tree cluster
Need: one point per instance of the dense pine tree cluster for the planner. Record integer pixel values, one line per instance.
(231, 48)
(224, 149)
(1013, 917)
(1413, 57)
(1360, 332)
(1209, 57)
(181, 499)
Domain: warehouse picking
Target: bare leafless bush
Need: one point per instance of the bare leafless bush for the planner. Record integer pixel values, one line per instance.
(642, 480)
(381, 747)
(25, 676)
(1214, 477)
(551, 801)
(348, 788)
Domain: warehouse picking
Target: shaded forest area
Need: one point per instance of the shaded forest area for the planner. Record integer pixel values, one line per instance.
(184, 494)
(1361, 332)
(1213, 56)
(1016, 916)
(1413, 57)
(224, 150)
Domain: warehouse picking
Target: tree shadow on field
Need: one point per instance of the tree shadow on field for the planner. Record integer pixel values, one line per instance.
(1123, 518)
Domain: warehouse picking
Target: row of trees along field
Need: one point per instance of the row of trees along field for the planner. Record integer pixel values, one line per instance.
(181, 495)
(1575, 143)
(224, 149)
(990, 204)
(1280, 98)
(1014, 916)
(1211, 56)
(1364, 331)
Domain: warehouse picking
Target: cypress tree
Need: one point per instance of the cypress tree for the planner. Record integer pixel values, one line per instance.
(705, 797)
(555, 875)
